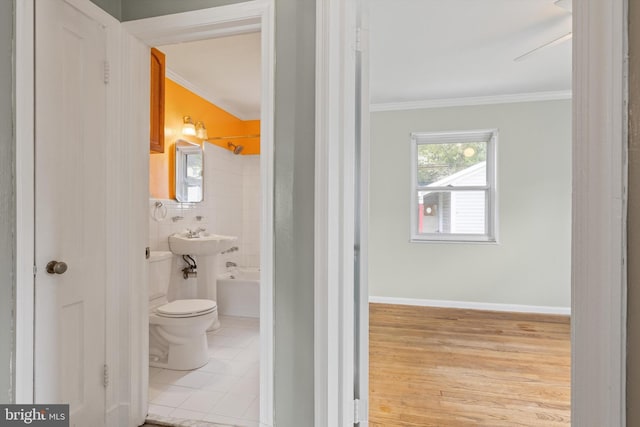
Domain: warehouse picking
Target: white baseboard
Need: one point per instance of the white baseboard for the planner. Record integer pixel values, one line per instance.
(515, 308)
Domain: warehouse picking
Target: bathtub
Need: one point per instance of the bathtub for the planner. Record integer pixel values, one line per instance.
(239, 292)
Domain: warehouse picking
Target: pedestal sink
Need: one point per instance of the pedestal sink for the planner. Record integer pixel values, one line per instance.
(204, 248)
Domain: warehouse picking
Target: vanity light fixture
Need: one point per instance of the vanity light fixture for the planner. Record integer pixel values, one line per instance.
(201, 130)
(188, 128)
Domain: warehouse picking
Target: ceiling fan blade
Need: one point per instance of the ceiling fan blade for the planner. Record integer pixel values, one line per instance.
(552, 43)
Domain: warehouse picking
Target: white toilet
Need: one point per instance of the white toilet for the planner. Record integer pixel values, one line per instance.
(177, 329)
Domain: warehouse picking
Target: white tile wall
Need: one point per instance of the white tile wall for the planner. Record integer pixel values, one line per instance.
(251, 212)
(231, 206)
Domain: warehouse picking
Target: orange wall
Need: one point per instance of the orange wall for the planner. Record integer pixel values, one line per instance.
(181, 102)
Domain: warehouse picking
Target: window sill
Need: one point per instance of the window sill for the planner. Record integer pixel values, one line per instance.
(466, 240)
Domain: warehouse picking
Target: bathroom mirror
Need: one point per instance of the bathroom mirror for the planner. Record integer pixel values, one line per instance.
(189, 172)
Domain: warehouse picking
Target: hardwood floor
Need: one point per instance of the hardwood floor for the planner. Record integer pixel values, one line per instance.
(453, 367)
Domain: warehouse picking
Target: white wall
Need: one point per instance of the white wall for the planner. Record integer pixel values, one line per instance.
(530, 265)
(231, 207)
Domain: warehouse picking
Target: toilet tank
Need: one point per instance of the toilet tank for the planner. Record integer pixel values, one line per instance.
(159, 273)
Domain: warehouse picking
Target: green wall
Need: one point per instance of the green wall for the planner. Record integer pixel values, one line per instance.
(7, 202)
(294, 214)
(138, 9)
(113, 7)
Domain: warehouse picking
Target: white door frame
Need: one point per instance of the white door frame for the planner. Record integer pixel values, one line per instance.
(251, 16)
(599, 212)
(335, 211)
(599, 231)
(25, 195)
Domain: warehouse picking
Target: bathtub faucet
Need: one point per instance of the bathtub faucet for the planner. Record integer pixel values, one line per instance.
(231, 264)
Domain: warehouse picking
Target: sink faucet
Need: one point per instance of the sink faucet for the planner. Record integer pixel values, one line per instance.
(231, 264)
(191, 234)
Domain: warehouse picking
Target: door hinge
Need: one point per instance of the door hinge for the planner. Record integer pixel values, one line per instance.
(107, 72)
(105, 376)
(35, 270)
(358, 39)
(359, 411)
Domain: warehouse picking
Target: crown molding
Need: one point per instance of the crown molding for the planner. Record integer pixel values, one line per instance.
(177, 78)
(478, 100)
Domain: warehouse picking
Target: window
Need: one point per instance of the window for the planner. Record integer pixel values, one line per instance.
(453, 191)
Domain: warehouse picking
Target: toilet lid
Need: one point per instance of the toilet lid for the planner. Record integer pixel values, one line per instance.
(187, 308)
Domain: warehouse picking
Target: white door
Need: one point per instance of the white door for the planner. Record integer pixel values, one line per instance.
(70, 211)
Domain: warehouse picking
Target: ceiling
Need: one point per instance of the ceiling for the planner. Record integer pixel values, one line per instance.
(420, 50)
(225, 71)
(441, 49)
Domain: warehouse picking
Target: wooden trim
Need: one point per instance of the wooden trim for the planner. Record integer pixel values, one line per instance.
(136, 76)
(335, 212)
(25, 200)
(267, 261)
(362, 181)
(463, 102)
(326, 347)
(157, 91)
(599, 211)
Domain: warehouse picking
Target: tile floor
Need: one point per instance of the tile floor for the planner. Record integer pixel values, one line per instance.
(225, 390)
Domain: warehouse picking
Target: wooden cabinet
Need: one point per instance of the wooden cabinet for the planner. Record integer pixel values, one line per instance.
(156, 144)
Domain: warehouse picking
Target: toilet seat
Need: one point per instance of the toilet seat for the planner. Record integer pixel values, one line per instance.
(186, 308)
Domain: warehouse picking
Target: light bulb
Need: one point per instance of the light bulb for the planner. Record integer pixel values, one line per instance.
(188, 128)
(201, 131)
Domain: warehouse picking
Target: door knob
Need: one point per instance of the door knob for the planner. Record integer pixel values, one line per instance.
(56, 267)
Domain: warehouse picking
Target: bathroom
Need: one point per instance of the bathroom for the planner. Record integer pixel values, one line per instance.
(210, 116)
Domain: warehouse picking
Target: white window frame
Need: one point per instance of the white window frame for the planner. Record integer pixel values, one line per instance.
(490, 136)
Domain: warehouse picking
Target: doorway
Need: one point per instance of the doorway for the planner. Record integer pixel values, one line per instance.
(460, 219)
(216, 84)
(236, 20)
(598, 279)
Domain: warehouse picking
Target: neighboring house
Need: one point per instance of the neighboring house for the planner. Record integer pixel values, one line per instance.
(457, 212)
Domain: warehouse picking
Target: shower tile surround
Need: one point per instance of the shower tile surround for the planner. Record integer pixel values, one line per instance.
(231, 206)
